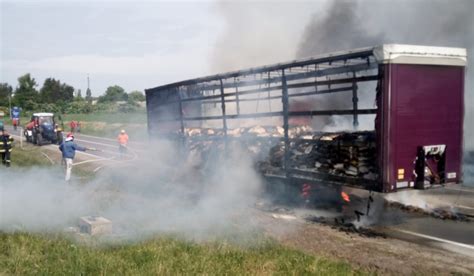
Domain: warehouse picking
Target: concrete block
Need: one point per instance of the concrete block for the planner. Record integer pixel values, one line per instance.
(95, 225)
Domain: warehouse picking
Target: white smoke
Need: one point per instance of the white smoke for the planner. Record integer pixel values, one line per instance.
(160, 193)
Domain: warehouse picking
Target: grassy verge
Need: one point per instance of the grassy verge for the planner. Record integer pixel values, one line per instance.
(28, 156)
(26, 254)
(32, 156)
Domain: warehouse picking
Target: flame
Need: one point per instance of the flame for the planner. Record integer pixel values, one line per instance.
(345, 197)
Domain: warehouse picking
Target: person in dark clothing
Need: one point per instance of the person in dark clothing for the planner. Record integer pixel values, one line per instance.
(5, 147)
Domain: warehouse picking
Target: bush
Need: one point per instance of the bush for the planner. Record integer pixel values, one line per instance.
(129, 106)
(77, 107)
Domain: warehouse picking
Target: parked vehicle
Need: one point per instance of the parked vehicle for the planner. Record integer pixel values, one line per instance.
(43, 128)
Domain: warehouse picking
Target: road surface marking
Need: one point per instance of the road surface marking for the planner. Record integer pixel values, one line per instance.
(103, 138)
(463, 206)
(107, 145)
(468, 246)
(107, 139)
(460, 190)
(98, 143)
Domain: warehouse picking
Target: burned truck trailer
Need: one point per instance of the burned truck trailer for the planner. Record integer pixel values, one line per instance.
(382, 118)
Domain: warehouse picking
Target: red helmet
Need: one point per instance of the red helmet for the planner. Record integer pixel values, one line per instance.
(69, 136)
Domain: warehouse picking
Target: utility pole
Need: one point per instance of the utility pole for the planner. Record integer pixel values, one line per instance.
(88, 91)
(10, 104)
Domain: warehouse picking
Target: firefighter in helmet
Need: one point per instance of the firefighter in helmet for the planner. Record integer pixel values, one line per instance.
(5, 147)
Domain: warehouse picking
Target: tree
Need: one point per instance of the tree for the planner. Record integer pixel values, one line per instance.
(67, 93)
(5, 94)
(26, 95)
(53, 91)
(113, 94)
(88, 95)
(136, 96)
(79, 94)
(50, 91)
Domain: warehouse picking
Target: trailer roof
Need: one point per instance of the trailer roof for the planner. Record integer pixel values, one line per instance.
(386, 53)
(416, 54)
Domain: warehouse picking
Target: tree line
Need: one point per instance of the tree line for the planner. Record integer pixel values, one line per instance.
(59, 97)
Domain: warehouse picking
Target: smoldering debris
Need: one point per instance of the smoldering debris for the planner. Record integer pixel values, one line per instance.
(444, 213)
(348, 221)
(349, 154)
(347, 226)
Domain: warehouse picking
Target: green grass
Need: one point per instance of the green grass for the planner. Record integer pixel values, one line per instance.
(121, 118)
(28, 156)
(110, 124)
(28, 254)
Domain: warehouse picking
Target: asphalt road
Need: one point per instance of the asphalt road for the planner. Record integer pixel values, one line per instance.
(100, 150)
(457, 236)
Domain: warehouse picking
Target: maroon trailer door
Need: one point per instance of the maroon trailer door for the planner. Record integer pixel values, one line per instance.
(421, 113)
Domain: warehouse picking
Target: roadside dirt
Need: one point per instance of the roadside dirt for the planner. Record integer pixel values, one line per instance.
(381, 255)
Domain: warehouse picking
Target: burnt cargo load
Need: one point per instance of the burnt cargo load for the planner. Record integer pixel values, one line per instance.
(382, 118)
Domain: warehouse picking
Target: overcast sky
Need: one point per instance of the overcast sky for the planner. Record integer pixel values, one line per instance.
(134, 44)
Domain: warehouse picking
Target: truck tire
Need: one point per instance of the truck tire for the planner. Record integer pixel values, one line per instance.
(60, 138)
(39, 140)
(28, 139)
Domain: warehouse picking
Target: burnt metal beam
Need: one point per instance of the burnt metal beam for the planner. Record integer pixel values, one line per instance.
(286, 106)
(290, 86)
(355, 101)
(305, 75)
(360, 54)
(332, 112)
(237, 99)
(224, 119)
(276, 114)
(309, 93)
(180, 107)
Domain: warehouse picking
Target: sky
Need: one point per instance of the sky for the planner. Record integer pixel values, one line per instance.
(134, 45)
(140, 44)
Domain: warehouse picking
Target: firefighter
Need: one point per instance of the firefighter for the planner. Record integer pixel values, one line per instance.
(5, 147)
(123, 141)
(68, 149)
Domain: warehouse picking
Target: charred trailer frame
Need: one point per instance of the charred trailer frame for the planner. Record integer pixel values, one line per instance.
(417, 111)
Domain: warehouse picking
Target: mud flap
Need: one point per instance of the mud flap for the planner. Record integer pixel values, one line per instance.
(430, 166)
